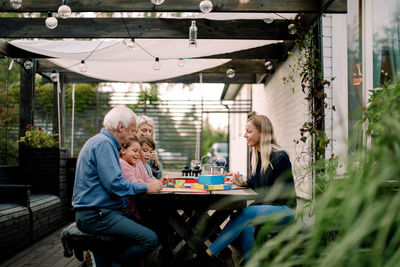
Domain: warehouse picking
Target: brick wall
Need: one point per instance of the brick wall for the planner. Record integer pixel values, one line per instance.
(287, 110)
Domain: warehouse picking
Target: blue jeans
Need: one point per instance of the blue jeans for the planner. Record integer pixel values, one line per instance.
(240, 226)
(136, 239)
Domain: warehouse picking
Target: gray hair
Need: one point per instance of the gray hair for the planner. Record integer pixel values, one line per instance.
(119, 114)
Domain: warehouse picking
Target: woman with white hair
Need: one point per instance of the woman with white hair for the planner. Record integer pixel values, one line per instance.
(146, 127)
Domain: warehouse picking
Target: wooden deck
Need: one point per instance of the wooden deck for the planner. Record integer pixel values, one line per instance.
(47, 252)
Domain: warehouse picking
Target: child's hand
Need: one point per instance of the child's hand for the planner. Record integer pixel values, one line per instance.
(164, 180)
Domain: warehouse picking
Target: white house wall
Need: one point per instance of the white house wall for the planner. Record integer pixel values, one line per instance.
(287, 110)
(237, 143)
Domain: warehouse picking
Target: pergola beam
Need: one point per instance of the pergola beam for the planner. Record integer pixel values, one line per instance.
(260, 6)
(145, 28)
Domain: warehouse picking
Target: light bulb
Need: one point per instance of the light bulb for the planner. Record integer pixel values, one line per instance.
(181, 62)
(157, 2)
(268, 64)
(64, 11)
(130, 44)
(267, 19)
(206, 6)
(292, 28)
(83, 66)
(230, 73)
(16, 3)
(54, 77)
(157, 64)
(193, 34)
(51, 22)
(28, 65)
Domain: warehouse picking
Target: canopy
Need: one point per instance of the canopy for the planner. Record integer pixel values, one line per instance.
(112, 59)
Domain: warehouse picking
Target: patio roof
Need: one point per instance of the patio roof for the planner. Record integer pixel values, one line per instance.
(228, 21)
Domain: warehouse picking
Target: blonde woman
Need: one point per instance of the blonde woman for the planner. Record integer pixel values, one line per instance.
(271, 177)
(145, 127)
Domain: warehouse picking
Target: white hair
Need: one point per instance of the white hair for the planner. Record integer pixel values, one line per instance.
(119, 114)
(145, 119)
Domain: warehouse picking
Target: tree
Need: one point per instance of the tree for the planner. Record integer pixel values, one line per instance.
(211, 136)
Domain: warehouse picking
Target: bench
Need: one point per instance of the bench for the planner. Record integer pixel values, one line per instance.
(24, 217)
(75, 242)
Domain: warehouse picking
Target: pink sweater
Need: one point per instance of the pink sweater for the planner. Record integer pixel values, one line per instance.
(134, 174)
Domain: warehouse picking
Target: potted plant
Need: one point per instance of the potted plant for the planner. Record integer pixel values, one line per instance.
(41, 161)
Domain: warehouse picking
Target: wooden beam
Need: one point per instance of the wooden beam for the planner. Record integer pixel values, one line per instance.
(241, 78)
(276, 51)
(26, 97)
(145, 28)
(261, 6)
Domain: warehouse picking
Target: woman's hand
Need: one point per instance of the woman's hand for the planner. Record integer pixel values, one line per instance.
(238, 180)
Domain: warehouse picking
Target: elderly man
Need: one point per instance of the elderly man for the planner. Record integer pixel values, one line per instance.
(100, 192)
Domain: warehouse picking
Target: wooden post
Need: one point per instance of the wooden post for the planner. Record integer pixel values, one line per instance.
(27, 96)
(62, 109)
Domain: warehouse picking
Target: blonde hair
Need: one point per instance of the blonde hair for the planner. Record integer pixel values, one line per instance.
(267, 143)
(146, 119)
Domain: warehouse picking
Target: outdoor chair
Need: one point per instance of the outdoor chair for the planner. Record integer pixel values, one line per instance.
(75, 242)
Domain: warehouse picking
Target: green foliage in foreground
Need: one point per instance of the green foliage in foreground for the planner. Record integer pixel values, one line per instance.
(357, 218)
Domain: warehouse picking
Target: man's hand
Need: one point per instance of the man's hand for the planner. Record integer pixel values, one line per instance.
(154, 187)
(238, 180)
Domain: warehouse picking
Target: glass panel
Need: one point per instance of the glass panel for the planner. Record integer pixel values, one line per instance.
(386, 38)
(355, 79)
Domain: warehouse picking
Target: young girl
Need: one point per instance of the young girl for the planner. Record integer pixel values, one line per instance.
(145, 127)
(133, 169)
(147, 147)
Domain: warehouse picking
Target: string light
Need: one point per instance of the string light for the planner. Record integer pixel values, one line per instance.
(51, 22)
(16, 4)
(206, 6)
(64, 11)
(230, 73)
(292, 29)
(28, 64)
(83, 66)
(157, 64)
(130, 44)
(268, 64)
(268, 19)
(54, 76)
(193, 34)
(157, 2)
(181, 62)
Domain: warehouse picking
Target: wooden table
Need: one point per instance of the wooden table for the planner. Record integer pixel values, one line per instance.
(195, 217)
